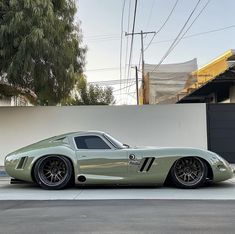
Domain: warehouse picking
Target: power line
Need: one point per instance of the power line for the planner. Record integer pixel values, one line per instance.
(127, 39)
(124, 87)
(109, 82)
(170, 40)
(163, 25)
(191, 24)
(141, 33)
(104, 40)
(139, 61)
(122, 25)
(177, 37)
(197, 34)
(101, 36)
(207, 32)
(132, 40)
(199, 14)
(103, 69)
(131, 93)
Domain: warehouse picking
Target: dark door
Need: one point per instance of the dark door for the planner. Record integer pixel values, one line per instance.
(221, 130)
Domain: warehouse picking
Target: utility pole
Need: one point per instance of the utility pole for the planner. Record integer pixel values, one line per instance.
(137, 85)
(141, 33)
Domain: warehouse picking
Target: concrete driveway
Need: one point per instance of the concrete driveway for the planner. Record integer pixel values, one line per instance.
(220, 191)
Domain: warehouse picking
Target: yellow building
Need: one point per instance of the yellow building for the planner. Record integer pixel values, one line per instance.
(214, 82)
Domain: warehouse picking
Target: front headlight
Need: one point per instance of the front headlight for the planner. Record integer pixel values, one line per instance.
(224, 164)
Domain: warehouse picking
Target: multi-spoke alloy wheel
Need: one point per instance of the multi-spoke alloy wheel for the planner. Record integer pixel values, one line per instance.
(189, 172)
(53, 172)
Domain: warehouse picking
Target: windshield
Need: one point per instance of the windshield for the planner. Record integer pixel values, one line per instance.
(115, 142)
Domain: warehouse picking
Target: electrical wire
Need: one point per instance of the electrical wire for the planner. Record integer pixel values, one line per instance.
(168, 40)
(132, 41)
(205, 6)
(178, 36)
(124, 87)
(165, 22)
(208, 32)
(139, 61)
(197, 34)
(103, 69)
(103, 40)
(127, 39)
(109, 82)
(163, 25)
(116, 94)
(122, 26)
(199, 14)
(100, 36)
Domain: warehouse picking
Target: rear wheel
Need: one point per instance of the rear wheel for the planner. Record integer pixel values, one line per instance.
(189, 172)
(53, 172)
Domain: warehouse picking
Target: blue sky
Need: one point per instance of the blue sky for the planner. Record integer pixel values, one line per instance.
(101, 26)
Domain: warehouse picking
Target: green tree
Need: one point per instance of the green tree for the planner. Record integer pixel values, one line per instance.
(89, 94)
(40, 47)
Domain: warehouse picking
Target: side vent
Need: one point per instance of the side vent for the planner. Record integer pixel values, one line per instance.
(22, 163)
(147, 164)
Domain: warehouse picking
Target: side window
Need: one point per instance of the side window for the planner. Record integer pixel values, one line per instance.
(90, 142)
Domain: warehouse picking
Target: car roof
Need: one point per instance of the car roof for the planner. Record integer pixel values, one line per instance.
(79, 133)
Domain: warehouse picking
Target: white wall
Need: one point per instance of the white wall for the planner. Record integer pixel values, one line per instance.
(152, 125)
(5, 101)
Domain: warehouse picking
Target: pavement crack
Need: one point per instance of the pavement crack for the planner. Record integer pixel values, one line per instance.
(77, 195)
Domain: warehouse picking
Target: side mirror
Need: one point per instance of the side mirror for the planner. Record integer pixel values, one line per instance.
(127, 146)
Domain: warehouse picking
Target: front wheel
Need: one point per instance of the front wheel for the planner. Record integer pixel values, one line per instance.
(53, 172)
(189, 172)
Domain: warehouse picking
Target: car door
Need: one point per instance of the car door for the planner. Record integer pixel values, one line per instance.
(99, 161)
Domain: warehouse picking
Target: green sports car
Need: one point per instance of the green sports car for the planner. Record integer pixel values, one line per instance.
(96, 158)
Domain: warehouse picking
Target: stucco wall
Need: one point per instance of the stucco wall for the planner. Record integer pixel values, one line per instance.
(152, 125)
(5, 101)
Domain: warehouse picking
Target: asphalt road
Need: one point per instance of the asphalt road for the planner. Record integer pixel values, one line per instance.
(117, 216)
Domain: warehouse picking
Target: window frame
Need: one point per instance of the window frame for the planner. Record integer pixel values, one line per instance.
(96, 135)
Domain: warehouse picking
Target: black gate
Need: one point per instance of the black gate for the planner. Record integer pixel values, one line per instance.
(221, 130)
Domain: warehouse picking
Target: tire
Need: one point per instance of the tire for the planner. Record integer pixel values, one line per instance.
(189, 173)
(53, 172)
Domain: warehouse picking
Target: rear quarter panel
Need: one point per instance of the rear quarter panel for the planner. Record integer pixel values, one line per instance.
(33, 153)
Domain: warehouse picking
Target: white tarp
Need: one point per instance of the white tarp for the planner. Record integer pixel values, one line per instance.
(168, 79)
